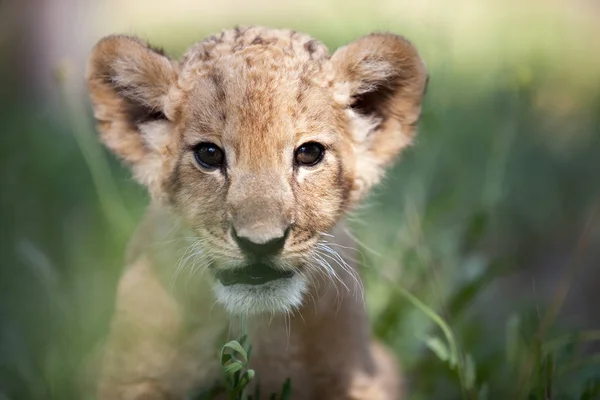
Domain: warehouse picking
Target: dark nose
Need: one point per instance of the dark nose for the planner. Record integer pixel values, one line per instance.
(254, 249)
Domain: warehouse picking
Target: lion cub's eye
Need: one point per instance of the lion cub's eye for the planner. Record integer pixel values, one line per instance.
(209, 155)
(309, 153)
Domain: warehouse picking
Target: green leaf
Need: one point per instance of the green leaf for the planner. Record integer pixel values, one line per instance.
(237, 349)
(469, 371)
(225, 358)
(245, 380)
(437, 319)
(286, 391)
(232, 367)
(248, 351)
(249, 375)
(438, 347)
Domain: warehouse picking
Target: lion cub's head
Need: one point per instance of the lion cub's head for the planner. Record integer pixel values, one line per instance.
(259, 140)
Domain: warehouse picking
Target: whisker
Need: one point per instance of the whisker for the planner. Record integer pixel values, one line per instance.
(353, 249)
(329, 273)
(330, 269)
(326, 234)
(179, 264)
(288, 328)
(335, 256)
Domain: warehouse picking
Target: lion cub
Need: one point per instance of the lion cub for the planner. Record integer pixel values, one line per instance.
(252, 147)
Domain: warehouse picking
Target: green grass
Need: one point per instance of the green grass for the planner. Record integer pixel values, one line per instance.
(505, 167)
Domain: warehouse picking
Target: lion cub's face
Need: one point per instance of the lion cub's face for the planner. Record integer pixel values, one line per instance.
(260, 141)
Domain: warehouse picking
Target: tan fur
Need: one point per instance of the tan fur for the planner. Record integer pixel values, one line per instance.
(258, 94)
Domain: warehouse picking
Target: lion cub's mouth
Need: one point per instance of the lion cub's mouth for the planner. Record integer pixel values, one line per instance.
(253, 274)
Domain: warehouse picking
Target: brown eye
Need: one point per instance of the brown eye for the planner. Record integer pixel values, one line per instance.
(309, 153)
(209, 155)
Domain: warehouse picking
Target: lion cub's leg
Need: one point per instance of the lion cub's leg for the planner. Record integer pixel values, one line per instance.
(385, 383)
(151, 353)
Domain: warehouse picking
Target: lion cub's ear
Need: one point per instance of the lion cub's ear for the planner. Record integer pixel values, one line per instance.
(381, 79)
(128, 84)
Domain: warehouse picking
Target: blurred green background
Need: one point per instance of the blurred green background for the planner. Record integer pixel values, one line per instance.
(481, 249)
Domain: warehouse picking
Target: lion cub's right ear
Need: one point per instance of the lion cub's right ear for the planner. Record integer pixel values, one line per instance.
(128, 84)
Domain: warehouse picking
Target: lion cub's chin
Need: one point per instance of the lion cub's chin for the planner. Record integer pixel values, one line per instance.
(281, 295)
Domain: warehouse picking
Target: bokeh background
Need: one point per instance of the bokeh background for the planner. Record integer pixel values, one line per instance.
(480, 251)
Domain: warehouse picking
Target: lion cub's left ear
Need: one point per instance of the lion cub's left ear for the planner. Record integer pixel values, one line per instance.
(381, 79)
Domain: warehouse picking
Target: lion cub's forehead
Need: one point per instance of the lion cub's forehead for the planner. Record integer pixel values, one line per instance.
(262, 55)
(297, 45)
(258, 83)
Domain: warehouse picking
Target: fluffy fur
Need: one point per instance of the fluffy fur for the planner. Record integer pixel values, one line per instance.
(258, 94)
(280, 296)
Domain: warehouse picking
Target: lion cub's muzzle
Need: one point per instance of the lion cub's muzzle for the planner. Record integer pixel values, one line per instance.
(262, 283)
(260, 269)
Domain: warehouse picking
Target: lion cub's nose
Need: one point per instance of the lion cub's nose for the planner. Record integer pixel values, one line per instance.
(260, 246)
